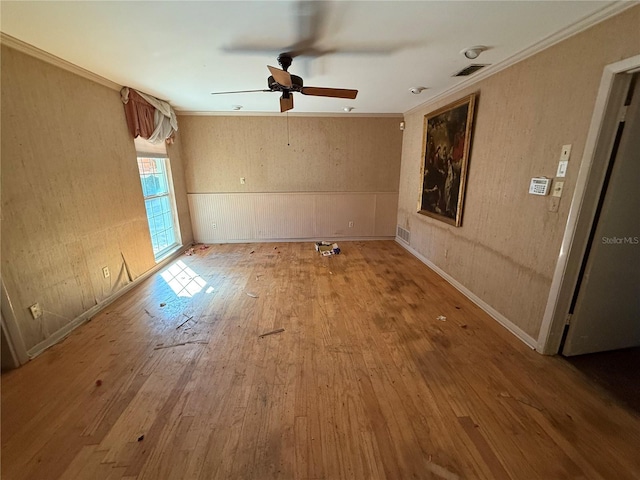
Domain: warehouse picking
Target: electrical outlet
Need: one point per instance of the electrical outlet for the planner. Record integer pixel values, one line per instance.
(214, 225)
(36, 311)
(243, 180)
(105, 272)
(351, 224)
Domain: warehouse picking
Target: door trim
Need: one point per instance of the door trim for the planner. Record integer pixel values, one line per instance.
(584, 202)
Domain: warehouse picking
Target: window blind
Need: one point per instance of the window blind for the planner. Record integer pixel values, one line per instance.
(144, 148)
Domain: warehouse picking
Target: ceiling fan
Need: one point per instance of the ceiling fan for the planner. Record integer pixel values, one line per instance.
(282, 81)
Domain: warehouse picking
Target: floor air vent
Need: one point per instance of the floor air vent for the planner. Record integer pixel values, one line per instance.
(403, 234)
(466, 71)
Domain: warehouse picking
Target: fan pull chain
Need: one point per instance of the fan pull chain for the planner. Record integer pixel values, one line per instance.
(288, 144)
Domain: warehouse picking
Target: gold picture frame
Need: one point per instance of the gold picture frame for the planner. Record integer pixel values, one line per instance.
(445, 158)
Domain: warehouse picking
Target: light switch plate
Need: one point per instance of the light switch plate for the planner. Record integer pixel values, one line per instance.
(566, 152)
(554, 203)
(562, 168)
(557, 189)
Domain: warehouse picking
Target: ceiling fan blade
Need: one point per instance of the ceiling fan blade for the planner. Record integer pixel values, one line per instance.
(280, 76)
(329, 92)
(239, 91)
(286, 103)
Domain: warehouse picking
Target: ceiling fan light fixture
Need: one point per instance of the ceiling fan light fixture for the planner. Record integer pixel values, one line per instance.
(473, 52)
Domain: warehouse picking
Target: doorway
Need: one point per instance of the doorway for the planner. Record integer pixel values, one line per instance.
(611, 103)
(604, 314)
(594, 303)
(617, 372)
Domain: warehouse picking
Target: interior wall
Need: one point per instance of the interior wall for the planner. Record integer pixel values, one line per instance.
(7, 360)
(506, 250)
(176, 161)
(289, 161)
(71, 195)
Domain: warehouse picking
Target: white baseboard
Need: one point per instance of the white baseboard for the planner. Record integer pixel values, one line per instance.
(86, 316)
(492, 312)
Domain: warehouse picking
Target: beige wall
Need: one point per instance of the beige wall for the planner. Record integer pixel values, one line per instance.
(506, 250)
(71, 195)
(326, 154)
(180, 188)
(329, 178)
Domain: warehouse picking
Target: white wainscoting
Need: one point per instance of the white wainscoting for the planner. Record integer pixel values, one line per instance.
(229, 217)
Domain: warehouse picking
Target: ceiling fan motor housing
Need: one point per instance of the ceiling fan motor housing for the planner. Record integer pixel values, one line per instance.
(295, 87)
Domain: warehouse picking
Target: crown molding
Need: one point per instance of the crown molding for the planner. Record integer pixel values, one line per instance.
(19, 45)
(571, 30)
(292, 114)
(581, 25)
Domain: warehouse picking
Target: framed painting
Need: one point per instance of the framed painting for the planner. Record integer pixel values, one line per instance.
(445, 156)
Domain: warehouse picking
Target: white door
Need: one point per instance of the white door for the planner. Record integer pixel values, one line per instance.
(606, 310)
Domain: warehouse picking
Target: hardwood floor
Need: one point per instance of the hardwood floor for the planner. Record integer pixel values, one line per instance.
(363, 383)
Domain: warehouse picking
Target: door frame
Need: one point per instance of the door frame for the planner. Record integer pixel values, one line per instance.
(595, 160)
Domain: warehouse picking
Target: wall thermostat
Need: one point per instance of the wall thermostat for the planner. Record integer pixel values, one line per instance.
(540, 186)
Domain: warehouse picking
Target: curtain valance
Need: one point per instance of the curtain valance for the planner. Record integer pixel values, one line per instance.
(147, 117)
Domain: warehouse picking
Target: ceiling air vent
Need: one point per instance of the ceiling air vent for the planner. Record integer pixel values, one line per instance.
(466, 71)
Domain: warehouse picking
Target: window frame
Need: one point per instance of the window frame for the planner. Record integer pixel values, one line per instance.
(171, 197)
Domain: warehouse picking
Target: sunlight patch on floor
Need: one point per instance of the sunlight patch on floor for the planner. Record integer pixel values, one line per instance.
(183, 280)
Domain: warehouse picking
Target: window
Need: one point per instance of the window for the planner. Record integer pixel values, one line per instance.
(155, 175)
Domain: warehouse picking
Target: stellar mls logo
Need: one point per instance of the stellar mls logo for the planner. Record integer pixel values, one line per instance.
(620, 240)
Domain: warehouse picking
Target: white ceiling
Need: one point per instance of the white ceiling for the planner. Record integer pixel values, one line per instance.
(182, 51)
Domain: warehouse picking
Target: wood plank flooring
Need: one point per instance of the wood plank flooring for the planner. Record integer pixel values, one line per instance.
(363, 383)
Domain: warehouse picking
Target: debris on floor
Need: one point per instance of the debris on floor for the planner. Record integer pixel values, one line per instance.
(161, 347)
(464, 325)
(442, 318)
(163, 304)
(272, 332)
(204, 247)
(440, 471)
(98, 383)
(252, 251)
(190, 251)
(252, 295)
(140, 438)
(327, 248)
(188, 318)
